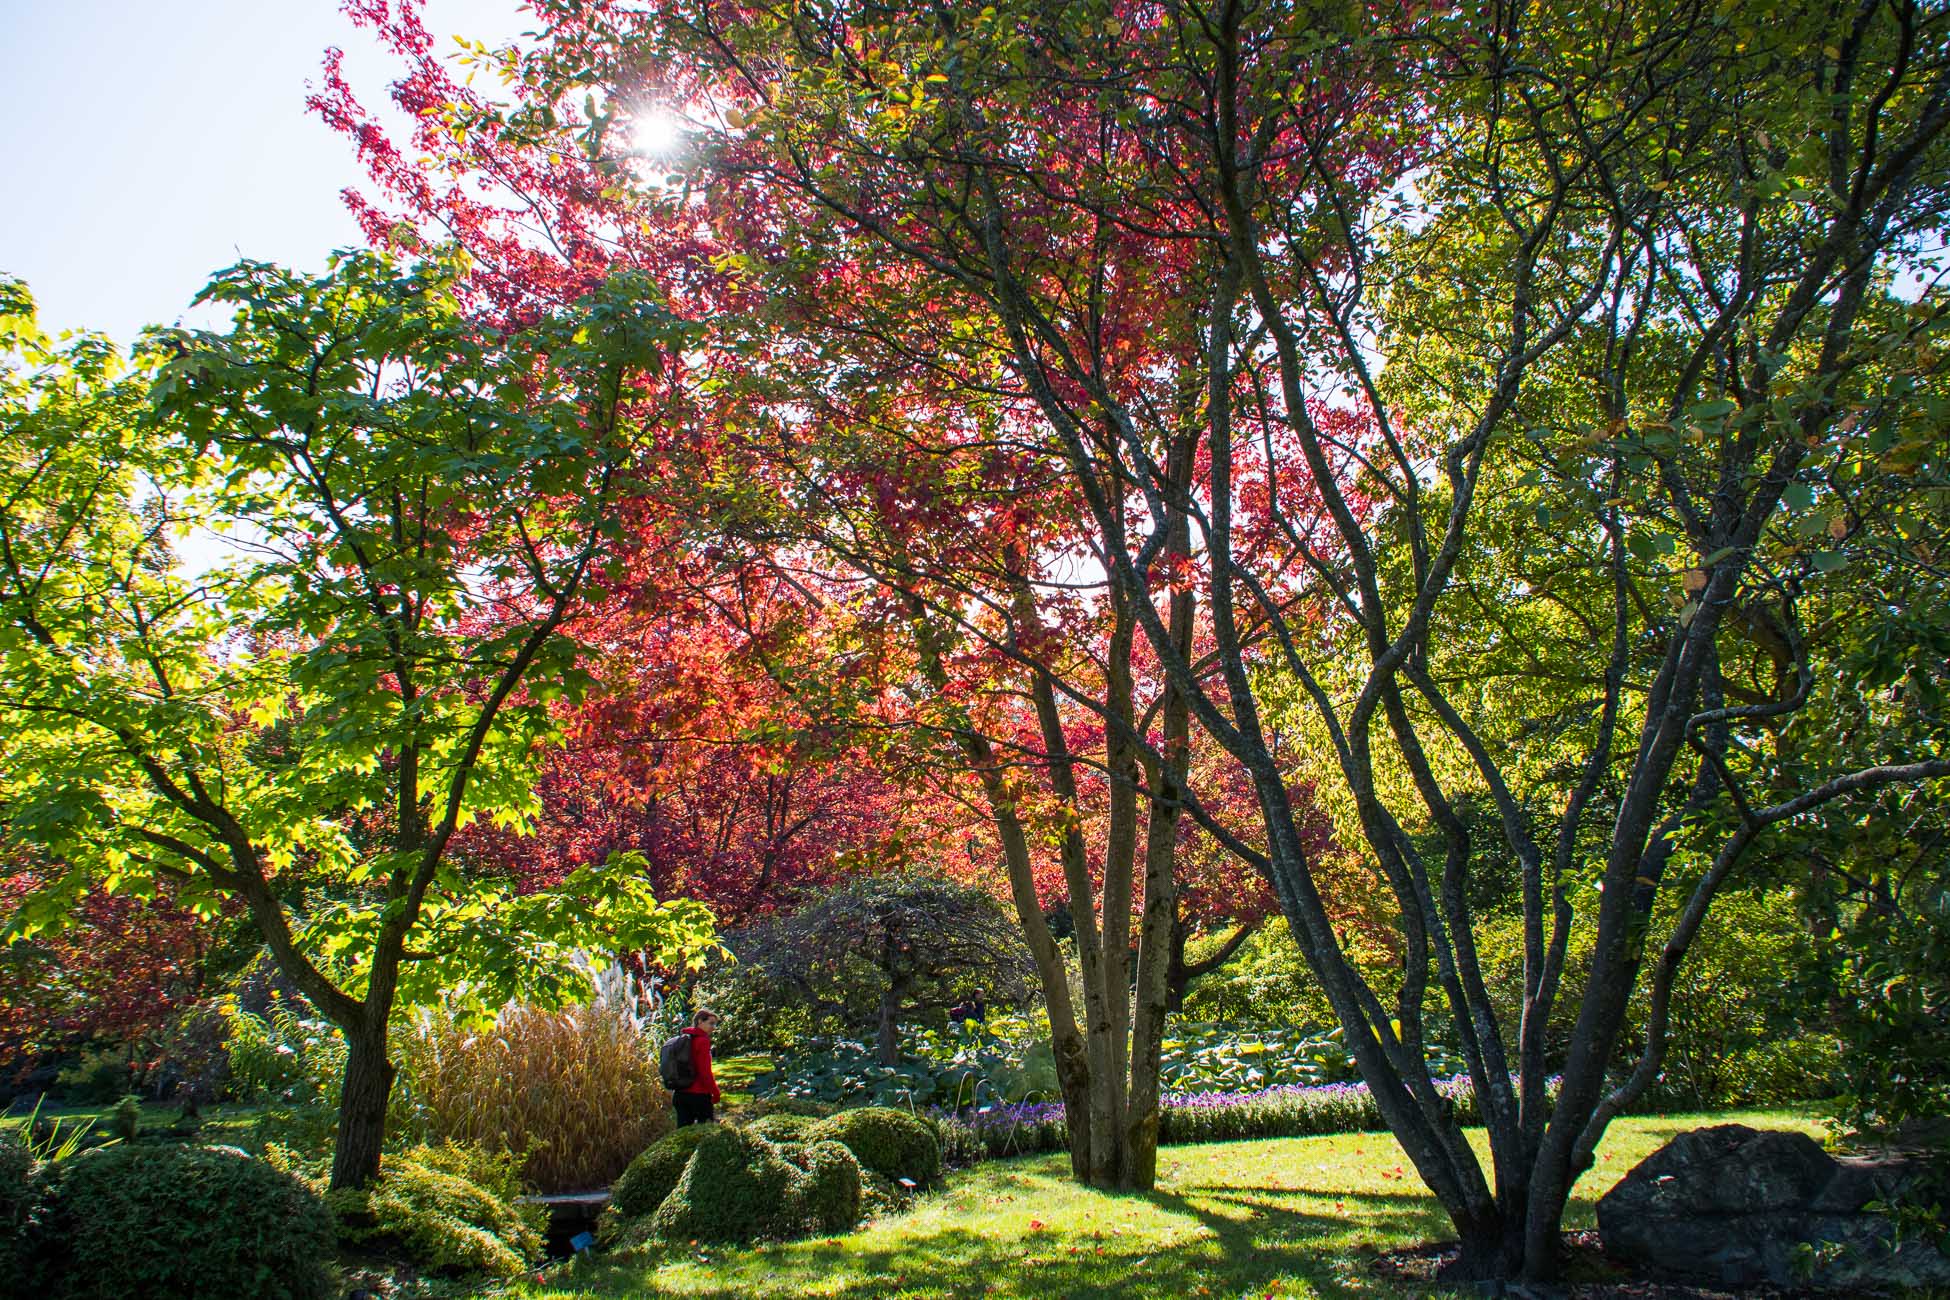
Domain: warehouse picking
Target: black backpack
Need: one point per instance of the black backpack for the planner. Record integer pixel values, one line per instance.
(674, 1063)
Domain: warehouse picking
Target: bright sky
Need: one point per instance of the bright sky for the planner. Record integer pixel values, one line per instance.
(150, 142)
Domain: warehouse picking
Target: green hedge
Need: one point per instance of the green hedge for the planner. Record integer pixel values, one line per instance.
(736, 1188)
(653, 1175)
(16, 1202)
(782, 1126)
(170, 1222)
(830, 1196)
(891, 1143)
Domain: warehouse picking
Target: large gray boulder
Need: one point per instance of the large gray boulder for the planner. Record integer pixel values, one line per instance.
(1737, 1205)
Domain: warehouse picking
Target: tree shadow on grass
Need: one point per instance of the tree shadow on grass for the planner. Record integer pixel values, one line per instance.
(1268, 1234)
(1249, 1238)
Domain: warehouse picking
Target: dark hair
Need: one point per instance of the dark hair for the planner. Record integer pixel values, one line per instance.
(703, 1014)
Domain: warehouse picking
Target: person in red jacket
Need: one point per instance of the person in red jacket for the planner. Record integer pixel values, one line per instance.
(696, 1104)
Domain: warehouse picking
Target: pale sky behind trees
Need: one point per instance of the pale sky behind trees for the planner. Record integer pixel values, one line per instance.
(148, 143)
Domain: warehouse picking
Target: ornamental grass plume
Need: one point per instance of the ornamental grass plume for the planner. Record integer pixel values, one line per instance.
(574, 1093)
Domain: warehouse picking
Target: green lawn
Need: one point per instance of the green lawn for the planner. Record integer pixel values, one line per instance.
(1292, 1217)
(220, 1122)
(735, 1074)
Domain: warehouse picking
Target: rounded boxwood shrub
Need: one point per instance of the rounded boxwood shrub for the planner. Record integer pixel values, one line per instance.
(653, 1174)
(782, 1126)
(164, 1222)
(891, 1143)
(736, 1188)
(447, 1209)
(829, 1198)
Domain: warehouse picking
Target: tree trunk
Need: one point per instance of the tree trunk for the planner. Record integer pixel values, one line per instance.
(1138, 1166)
(367, 1087)
(1158, 947)
(1178, 979)
(1066, 1043)
(887, 1036)
(1491, 1251)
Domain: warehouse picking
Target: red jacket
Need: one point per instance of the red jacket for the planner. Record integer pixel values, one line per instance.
(701, 1081)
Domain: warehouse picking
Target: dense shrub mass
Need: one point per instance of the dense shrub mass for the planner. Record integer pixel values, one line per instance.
(163, 1222)
(1748, 1005)
(445, 1209)
(891, 1143)
(16, 1167)
(781, 1127)
(16, 1199)
(736, 1188)
(653, 1175)
(830, 1195)
(1746, 1020)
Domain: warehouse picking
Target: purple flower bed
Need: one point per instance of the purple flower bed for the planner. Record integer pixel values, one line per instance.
(1289, 1110)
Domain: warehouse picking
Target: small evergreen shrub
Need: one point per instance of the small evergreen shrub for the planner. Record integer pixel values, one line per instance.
(653, 1175)
(165, 1222)
(447, 1209)
(733, 1185)
(891, 1143)
(16, 1201)
(781, 1126)
(830, 1195)
(736, 1188)
(16, 1168)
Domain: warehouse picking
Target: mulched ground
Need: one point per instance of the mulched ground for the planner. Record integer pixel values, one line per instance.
(1590, 1274)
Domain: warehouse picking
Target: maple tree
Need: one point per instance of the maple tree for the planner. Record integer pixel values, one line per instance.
(886, 438)
(1253, 340)
(881, 946)
(997, 688)
(115, 977)
(1158, 255)
(690, 755)
(301, 728)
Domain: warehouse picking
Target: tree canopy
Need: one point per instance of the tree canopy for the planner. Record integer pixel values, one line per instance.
(411, 506)
(1465, 481)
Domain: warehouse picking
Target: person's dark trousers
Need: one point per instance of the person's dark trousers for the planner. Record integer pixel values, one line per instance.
(692, 1108)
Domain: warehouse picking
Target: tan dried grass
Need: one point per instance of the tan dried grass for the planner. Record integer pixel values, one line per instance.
(574, 1092)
